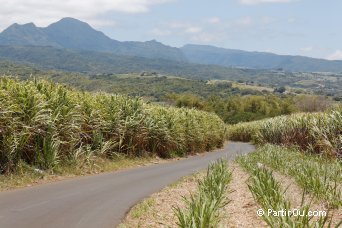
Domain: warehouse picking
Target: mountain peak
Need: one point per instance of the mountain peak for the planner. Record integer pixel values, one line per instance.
(69, 23)
(17, 26)
(152, 41)
(12, 27)
(70, 19)
(74, 34)
(26, 34)
(29, 25)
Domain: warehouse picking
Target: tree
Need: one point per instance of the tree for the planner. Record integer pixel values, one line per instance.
(281, 89)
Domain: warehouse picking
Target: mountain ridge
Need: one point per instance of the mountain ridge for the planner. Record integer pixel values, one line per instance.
(206, 54)
(70, 33)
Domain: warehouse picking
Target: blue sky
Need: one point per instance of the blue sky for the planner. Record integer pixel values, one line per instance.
(296, 27)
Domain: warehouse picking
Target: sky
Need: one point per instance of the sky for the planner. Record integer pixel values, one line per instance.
(293, 27)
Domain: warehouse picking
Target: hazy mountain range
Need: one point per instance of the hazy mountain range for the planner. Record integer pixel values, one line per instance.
(70, 41)
(74, 34)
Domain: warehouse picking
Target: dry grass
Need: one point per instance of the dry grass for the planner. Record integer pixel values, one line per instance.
(157, 210)
(27, 176)
(253, 87)
(241, 211)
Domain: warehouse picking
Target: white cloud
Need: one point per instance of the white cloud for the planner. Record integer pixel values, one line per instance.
(160, 32)
(256, 2)
(246, 21)
(337, 55)
(185, 27)
(306, 49)
(102, 23)
(44, 12)
(179, 25)
(193, 29)
(214, 20)
(205, 38)
(199, 32)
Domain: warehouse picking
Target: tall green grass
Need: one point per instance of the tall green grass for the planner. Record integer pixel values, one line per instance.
(203, 207)
(244, 132)
(44, 124)
(268, 193)
(315, 132)
(322, 177)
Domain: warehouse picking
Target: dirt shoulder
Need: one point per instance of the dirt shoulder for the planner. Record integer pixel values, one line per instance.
(28, 176)
(295, 194)
(241, 211)
(157, 210)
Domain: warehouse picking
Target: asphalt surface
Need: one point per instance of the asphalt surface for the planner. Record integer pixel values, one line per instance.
(98, 201)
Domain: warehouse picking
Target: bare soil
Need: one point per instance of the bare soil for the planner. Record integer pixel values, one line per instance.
(241, 211)
(161, 213)
(294, 193)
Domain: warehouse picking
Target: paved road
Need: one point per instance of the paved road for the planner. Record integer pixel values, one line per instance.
(98, 201)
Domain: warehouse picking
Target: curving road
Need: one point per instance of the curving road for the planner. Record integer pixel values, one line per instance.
(98, 201)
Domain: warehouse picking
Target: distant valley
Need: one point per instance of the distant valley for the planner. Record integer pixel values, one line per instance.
(74, 46)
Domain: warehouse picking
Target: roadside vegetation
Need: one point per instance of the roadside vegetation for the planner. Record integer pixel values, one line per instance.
(304, 147)
(296, 166)
(199, 200)
(158, 209)
(203, 207)
(318, 133)
(268, 192)
(28, 175)
(46, 125)
(320, 176)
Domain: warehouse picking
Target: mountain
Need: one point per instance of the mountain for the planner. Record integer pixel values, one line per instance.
(258, 60)
(71, 33)
(27, 34)
(74, 34)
